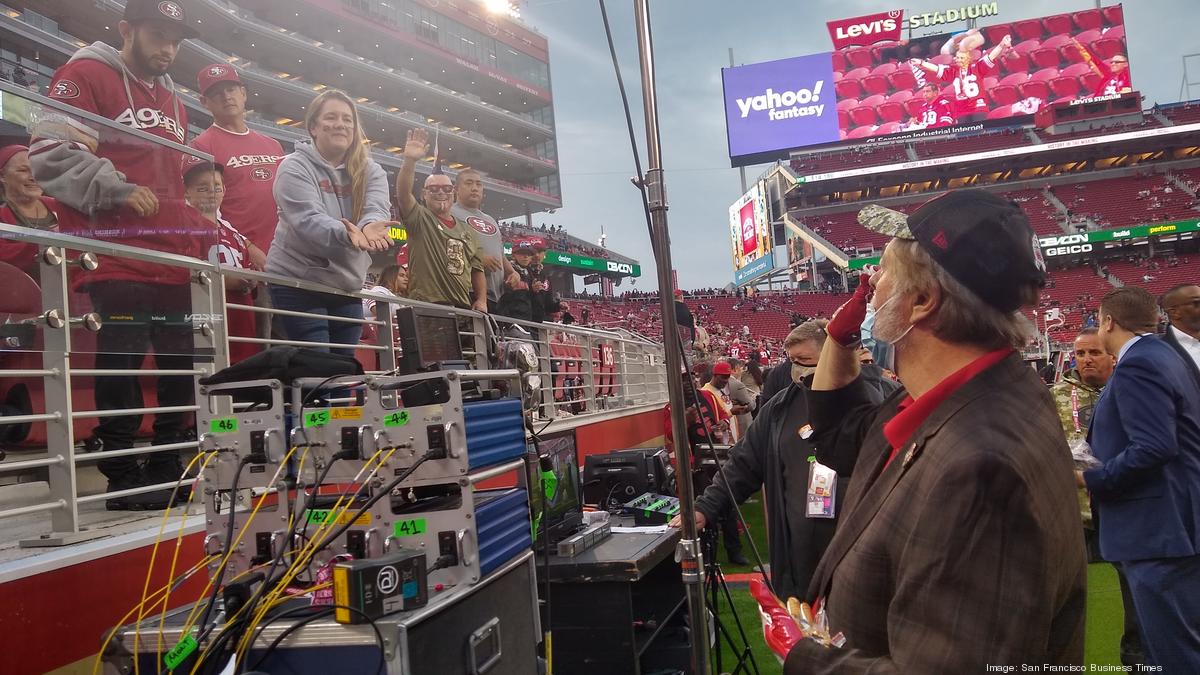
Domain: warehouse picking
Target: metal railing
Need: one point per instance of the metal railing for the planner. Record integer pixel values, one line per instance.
(48, 321)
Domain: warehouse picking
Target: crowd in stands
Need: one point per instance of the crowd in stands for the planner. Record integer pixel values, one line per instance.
(555, 237)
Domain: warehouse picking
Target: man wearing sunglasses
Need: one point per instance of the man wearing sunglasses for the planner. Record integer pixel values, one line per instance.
(1114, 74)
(445, 266)
(1182, 307)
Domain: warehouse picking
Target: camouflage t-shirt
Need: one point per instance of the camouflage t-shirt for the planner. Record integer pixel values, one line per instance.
(440, 259)
(1075, 403)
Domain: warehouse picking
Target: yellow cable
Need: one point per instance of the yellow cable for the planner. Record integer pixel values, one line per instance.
(230, 547)
(175, 557)
(112, 633)
(302, 558)
(154, 553)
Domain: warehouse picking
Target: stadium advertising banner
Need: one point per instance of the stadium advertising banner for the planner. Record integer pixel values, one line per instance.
(1081, 242)
(750, 235)
(879, 84)
(583, 262)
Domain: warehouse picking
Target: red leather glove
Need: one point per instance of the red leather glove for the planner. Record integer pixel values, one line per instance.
(846, 325)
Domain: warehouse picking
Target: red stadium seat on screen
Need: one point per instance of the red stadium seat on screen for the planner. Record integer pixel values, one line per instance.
(875, 84)
(1045, 58)
(1087, 37)
(997, 32)
(1089, 19)
(890, 112)
(848, 88)
(889, 128)
(847, 103)
(990, 81)
(1003, 94)
(914, 105)
(900, 96)
(863, 115)
(902, 79)
(1065, 86)
(1089, 82)
(1075, 70)
(1035, 88)
(1113, 15)
(837, 76)
(1056, 41)
(1115, 33)
(859, 57)
(1015, 62)
(1015, 79)
(862, 132)
(1045, 74)
(873, 100)
(1058, 24)
(1105, 47)
(1001, 112)
(1026, 46)
(843, 119)
(1027, 30)
(839, 62)
(884, 69)
(857, 73)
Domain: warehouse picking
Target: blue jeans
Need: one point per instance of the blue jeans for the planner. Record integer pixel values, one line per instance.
(312, 329)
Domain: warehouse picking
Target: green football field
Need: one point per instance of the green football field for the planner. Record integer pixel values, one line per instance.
(1104, 616)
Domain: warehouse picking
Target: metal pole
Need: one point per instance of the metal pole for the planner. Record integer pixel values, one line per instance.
(688, 552)
(741, 169)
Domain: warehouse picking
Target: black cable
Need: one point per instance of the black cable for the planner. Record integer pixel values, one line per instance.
(212, 600)
(322, 612)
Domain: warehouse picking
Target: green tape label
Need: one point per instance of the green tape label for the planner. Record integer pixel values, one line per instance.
(180, 652)
(316, 418)
(396, 419)
(408, 528)
(223, 426)
(549, 484)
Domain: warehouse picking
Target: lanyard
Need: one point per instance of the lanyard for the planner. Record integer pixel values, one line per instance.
(1075, 408)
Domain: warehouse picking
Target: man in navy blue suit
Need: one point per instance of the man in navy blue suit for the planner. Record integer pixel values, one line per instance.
(1146, 431)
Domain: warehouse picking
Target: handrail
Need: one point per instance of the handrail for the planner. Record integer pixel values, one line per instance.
(586, 373)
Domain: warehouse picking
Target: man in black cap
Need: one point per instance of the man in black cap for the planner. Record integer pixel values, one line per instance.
(959, 548)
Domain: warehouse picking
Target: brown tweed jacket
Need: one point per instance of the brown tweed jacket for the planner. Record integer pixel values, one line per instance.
(966, 551)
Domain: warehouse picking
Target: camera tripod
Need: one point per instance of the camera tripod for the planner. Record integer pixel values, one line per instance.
(716, 589)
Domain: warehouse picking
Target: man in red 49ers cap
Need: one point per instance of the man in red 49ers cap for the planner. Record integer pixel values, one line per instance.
(131, 192)
(249, 157)
(249, 160)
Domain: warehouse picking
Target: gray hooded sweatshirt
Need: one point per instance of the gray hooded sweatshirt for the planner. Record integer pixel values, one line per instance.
(88, 182)
(311, 242)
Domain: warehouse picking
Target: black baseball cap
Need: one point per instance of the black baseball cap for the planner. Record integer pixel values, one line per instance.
(168, 11)
(984, 241)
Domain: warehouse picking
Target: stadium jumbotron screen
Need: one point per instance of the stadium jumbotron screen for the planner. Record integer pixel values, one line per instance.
(750, 235)
(926, 86)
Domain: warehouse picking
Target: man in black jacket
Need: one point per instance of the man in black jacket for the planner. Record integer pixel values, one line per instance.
(775, 454)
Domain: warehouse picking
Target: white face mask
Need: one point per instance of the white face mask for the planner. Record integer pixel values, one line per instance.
(799, 372)
(884, 324)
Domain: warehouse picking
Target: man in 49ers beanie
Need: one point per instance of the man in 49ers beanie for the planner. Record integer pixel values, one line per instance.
(132, 193)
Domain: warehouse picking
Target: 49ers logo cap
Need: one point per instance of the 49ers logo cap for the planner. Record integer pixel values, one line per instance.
(169, 11)
(213, 74)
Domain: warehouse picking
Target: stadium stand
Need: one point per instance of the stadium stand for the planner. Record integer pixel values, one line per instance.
(1043, 215)
(979, 143)
(1154, 274)
(1185, 113)
(854, 158)
(1122, 202)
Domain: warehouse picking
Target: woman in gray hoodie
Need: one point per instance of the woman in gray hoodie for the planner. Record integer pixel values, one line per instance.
(333, 208)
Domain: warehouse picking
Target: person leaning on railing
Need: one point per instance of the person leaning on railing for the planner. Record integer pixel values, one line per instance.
(333, 209)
